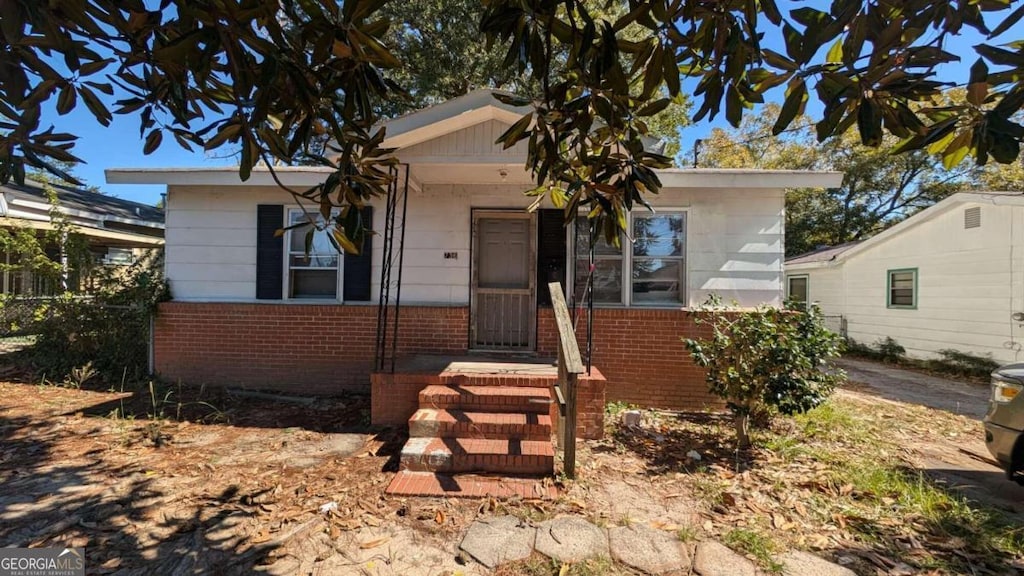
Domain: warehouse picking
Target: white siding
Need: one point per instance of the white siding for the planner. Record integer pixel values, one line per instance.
(970, 282)
(468, 142)
(734, 238)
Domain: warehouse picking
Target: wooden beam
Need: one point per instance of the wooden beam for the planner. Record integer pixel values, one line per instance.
(566, 332)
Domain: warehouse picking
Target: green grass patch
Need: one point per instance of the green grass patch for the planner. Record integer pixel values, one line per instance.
(755, 544)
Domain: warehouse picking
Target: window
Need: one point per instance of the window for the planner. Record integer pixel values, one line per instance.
(902, 288)
(659, 253)
(314, 275)
(650, 272)
(118, 257)
(607, 265)
(798, 289)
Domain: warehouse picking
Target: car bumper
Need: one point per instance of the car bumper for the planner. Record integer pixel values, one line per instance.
(1000, 441)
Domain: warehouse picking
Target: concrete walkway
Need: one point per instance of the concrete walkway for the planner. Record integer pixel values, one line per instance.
(914, 387)
(569, 539)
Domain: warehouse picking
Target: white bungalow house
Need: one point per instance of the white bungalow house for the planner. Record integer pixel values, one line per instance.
(948, 277)
(249, 309)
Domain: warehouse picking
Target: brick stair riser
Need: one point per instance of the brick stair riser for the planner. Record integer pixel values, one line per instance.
(470, 403)
(467, 380)
(433, 429)
(479, 463)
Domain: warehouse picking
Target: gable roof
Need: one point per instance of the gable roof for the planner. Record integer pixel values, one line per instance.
(835, 255)
(823, 254)
(449, 116)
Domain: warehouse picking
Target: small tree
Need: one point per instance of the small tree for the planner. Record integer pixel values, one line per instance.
(765, 360)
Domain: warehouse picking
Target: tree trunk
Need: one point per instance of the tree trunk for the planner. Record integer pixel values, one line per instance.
(742, 422)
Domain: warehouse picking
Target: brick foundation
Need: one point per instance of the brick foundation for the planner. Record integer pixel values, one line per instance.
(641, 354)
(312, 349)
(321, 349)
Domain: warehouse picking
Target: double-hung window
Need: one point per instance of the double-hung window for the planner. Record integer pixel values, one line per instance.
(315, 274)
(608, 264)
(651, 271)
(902, 288)
(658, 268)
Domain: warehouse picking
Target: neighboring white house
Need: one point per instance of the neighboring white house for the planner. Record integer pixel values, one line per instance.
(949, 277)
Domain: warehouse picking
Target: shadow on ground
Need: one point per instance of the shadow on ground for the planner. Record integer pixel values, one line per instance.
(666, 443)
(53, 499)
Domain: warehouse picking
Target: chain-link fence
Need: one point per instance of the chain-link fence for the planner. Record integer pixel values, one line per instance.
(836, 323)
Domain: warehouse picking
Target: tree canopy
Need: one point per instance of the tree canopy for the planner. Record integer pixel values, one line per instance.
(271, 76)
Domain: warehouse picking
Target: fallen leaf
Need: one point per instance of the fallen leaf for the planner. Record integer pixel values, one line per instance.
(564, 569)
(440, 517)
(374, 543)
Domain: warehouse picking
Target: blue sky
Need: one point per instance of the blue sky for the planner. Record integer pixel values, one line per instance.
(120, 146)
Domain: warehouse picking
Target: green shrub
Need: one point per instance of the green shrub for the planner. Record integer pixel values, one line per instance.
(964, 364)
(109, 331)
(889, 350)
(766, 360)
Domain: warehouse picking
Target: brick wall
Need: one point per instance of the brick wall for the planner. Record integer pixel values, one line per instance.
(311, 349)
(321, 349)
(641, 354)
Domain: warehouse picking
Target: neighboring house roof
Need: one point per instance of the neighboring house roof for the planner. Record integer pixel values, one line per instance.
(834, 256)
(94, 214)
(823, 254)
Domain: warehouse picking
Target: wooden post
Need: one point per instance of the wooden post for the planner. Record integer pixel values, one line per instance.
(570, 366)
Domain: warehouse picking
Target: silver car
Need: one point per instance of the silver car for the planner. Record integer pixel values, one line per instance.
(1004, 423)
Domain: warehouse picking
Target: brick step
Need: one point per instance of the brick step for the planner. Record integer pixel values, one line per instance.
(448, 455)
(407, 483)
(487, 398)
(431, 423)
(541, 380)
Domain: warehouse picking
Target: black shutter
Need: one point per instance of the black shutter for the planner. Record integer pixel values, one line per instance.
(358, 266)
(551, 252)
(269, 251)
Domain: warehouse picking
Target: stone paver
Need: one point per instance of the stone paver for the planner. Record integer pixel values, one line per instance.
(571, 539)
(494, 541)
(647, 550)
(715, 559)
(797, 563)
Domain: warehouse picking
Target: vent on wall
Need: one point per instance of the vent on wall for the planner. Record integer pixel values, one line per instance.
(972, 217)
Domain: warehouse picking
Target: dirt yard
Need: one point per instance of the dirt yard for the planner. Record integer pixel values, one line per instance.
(182, 481)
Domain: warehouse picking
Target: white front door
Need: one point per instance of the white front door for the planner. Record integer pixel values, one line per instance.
(504, 299)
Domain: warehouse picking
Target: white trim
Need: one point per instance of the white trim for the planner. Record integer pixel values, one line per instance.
(219, 176)
(746, 178)
(627, 263)
(299, 176)
(807, 286)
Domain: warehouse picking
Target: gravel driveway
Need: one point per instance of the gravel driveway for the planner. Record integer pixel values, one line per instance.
(917, 388)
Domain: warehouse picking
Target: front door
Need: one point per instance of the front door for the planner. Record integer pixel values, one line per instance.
(504, 298)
